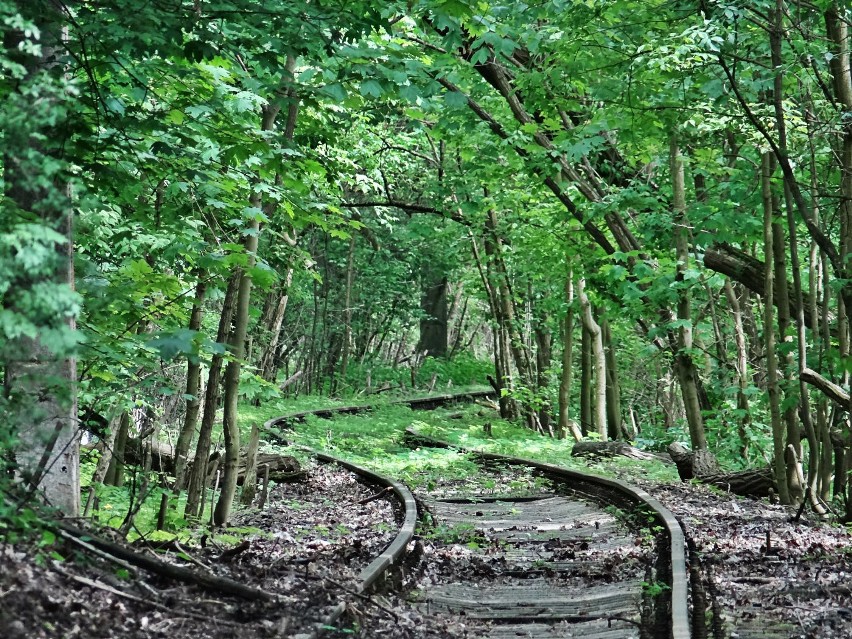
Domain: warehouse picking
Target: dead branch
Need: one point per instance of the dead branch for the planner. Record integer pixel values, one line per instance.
(208, 581)
(829, 388)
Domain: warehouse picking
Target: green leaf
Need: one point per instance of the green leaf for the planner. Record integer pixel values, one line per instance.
(371, 88)
(335, 91)
(455, 99)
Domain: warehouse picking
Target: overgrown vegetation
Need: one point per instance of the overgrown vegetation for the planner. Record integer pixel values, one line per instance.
(635, 217)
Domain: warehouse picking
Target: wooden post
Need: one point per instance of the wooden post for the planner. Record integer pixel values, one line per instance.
(250, 481)
(164, 507)
(264, 493)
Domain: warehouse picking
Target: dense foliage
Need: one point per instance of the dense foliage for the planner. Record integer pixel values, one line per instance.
(635, 217)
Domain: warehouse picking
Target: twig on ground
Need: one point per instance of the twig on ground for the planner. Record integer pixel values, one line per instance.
(95, 551)
(126, 595)
(189, 557)
(357, 594)
(205, 580)
(378, 495)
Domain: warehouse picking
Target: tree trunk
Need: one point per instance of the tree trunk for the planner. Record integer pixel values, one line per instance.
(702, 465)
(566, 424)
(347, 313)
(104, 462)
(193, 387)
(115, 471)
(250, 481)
(543, 355)
(790, 404)
(502, 366)
(506, 302)
(686, 371)
(596, 338)
(268, 365)
(230, 428)
(586, 418)
(779, 465)
(194, 497)
(433, 304)
(743, 416)
(614, 420)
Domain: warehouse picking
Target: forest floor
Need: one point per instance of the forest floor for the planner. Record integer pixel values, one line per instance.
(306, 547)
(795, 586)
(309, 544)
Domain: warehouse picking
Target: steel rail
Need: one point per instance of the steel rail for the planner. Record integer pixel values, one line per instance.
(393, 552)
(580, 481)
(589, 483)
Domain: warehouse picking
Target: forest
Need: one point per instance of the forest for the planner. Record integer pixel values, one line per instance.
(629, 221)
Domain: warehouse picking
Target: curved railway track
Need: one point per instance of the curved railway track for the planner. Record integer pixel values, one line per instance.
(578, 556)
(391, 555)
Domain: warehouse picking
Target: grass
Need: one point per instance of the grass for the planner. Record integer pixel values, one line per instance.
(516, 441)
(374, 440)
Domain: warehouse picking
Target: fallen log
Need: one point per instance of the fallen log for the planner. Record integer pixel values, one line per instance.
(834, 392)
(614, 449)
(203, 579)
(703, 466)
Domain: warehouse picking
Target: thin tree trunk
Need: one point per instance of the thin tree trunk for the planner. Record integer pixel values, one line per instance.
(230, 428)
(614, 419)
(198, 474)
(104, 462)
(433, 304)
(793, 445)
(822, 338)
(599, 356)
(840, 63)
(566, 424)
(743, 416)
(250, 480)
(193, 385)
(687, 374)
(115, 471)
(501, 361)
(458, 332)
(268, 367)
(505, 300)
(347, 311)
(779, 465)
(543, 355)
(586, 418)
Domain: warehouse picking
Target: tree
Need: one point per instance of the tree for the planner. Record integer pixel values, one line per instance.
(39, 306)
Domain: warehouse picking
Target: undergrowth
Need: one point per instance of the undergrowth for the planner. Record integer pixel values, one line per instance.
(375, 440)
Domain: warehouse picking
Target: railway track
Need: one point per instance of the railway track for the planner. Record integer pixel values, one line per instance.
(569, 554)
(579, 556)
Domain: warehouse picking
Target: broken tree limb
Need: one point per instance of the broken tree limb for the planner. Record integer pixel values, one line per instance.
(614, 449)
(156, 566)
(834, 392)
(295, 376)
